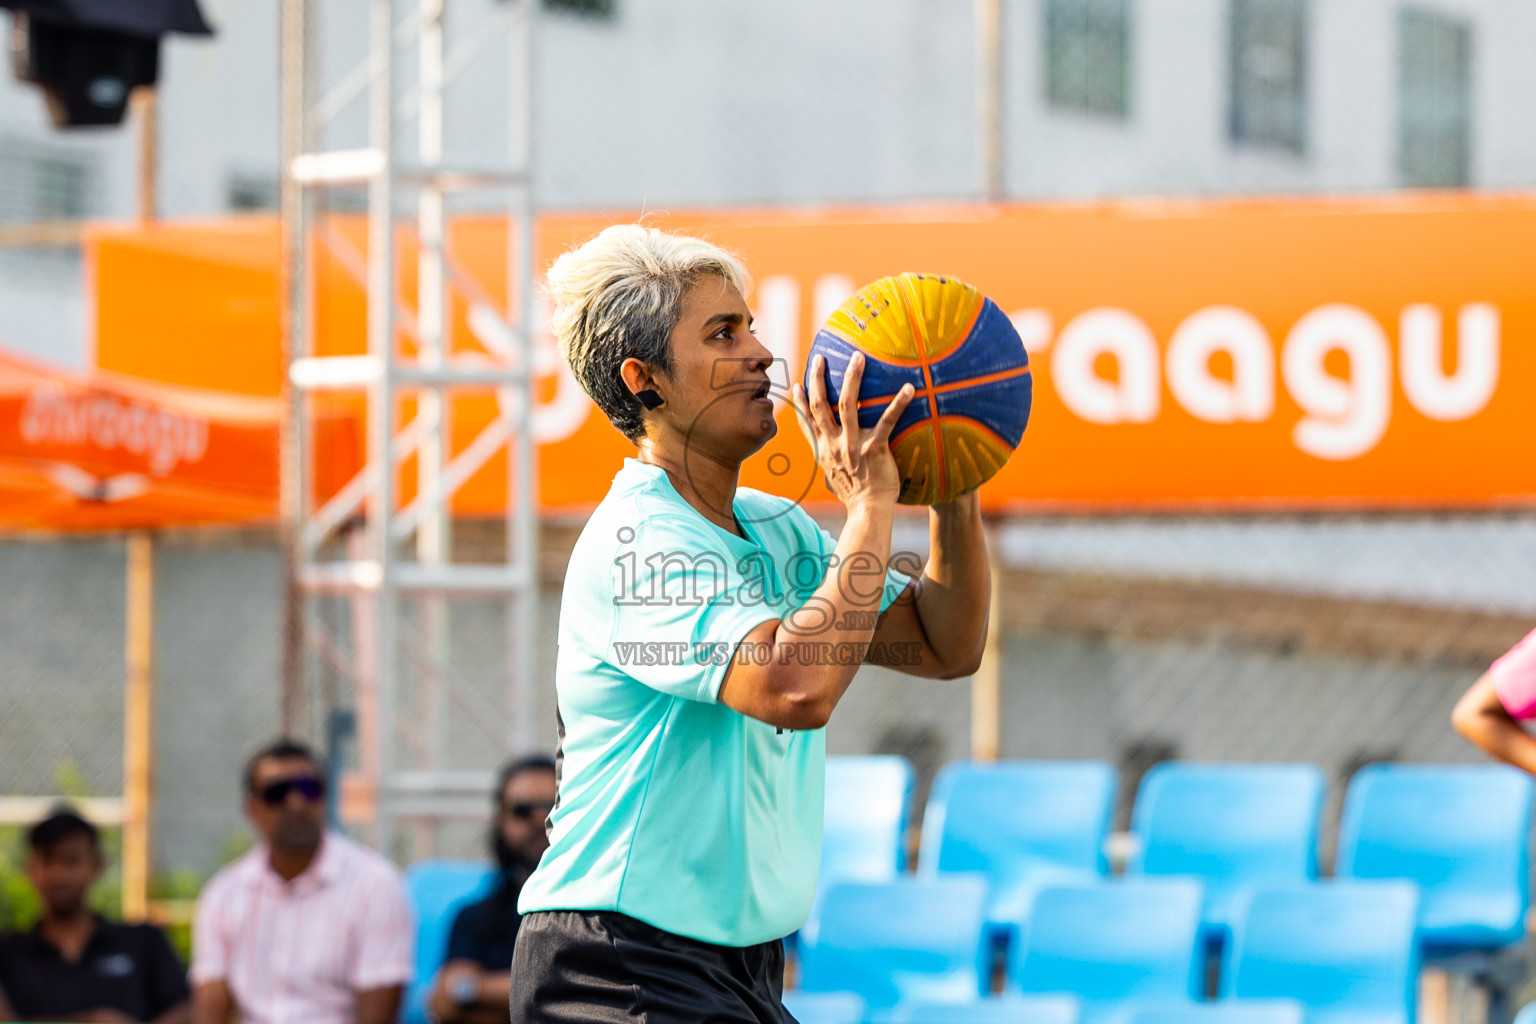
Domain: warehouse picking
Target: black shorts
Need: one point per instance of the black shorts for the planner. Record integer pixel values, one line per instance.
(574, 967)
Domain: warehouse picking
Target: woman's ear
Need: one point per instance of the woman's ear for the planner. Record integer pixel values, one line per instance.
(638, 379)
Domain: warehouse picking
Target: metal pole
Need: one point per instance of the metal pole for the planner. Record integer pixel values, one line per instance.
(149, 144)
(989, 97)
(138, 725)
(292, 465)
(139, 625)
(522, 498)
(381, 405)
(432, 534)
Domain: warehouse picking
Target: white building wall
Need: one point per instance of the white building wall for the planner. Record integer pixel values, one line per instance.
(701, 102)
(674, 103)
(800, 100)
(219, 108)
(1175, 139)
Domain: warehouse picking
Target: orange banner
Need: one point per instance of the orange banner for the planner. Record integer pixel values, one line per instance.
(1259, 354)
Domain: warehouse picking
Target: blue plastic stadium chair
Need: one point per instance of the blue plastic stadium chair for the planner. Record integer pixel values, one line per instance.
(1223, 1012)
(1460, 832)
(864, 831)
(1230, 825)
(1006, 1009)
(437, 890)
(897, 941)
(1024, 824)
(1111, 941)
(1228, 1011)
(864, 838)
(1347, 950)
(826, 1007)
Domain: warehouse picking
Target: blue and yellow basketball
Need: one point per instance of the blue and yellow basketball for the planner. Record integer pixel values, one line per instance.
(963, 358)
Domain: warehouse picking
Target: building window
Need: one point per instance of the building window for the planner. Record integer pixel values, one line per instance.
(38, 184)
(1088, 55)
(1269, 60)
(251, 192)
(1434, 121)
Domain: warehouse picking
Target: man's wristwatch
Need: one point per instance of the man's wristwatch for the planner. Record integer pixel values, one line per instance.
(464, 990)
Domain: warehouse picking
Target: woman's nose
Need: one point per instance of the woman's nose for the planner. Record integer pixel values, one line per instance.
(763, 358)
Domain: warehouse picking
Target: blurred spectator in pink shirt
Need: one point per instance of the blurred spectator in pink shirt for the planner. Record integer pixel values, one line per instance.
(309, 926)
(1491, 712)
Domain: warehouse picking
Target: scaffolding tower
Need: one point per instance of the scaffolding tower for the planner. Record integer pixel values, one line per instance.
(391, 563)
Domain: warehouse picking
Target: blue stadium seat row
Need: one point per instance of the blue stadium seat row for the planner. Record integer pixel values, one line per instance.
(847, 1008)
(1236, 842)
(1017, 850)
(1346, 952)
(1458, 831)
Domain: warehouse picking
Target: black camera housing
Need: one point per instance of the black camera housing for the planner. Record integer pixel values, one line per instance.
(89, 55)
(86, 74)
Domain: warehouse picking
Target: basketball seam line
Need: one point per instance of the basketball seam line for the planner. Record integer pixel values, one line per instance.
(933, 402)
(944, 389)
(963, 421)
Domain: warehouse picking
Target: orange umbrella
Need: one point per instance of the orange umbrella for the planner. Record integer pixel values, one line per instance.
(105, 451)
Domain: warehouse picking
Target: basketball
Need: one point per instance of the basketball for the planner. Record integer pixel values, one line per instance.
(965, 362)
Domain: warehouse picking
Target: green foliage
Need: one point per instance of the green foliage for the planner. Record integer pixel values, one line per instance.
(71, 781)
(18, 903)
(177, 892)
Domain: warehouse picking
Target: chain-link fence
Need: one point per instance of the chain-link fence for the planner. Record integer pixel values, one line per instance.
(1336, 641)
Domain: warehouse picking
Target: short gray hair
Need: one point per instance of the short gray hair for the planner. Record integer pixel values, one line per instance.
(618, 296)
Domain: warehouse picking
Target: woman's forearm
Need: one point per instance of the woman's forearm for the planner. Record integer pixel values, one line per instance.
(955, 592)
(812, 654)
(842, 612)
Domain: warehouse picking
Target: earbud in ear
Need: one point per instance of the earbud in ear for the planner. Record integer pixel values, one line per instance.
(649, 398)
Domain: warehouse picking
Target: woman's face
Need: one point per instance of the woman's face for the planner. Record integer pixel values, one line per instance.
(717, 394)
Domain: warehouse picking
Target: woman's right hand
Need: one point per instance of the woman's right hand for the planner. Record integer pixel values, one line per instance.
(857, 463)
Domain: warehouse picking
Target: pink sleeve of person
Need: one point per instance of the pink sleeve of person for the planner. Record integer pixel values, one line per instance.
(210, 952)
(1514, 679)
(385, 950)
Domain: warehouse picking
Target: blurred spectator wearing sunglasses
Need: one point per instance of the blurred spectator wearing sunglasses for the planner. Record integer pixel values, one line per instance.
(473, 987)
(309, 926)
(76, 965)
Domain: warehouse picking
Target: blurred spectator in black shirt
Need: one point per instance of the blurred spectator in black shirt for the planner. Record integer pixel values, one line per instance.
(76, 966)
(473, 986)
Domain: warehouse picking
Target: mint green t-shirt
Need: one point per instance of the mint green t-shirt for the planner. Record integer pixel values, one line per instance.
(675, 809)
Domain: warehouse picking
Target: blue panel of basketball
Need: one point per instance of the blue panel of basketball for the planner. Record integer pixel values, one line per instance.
(880, 379)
